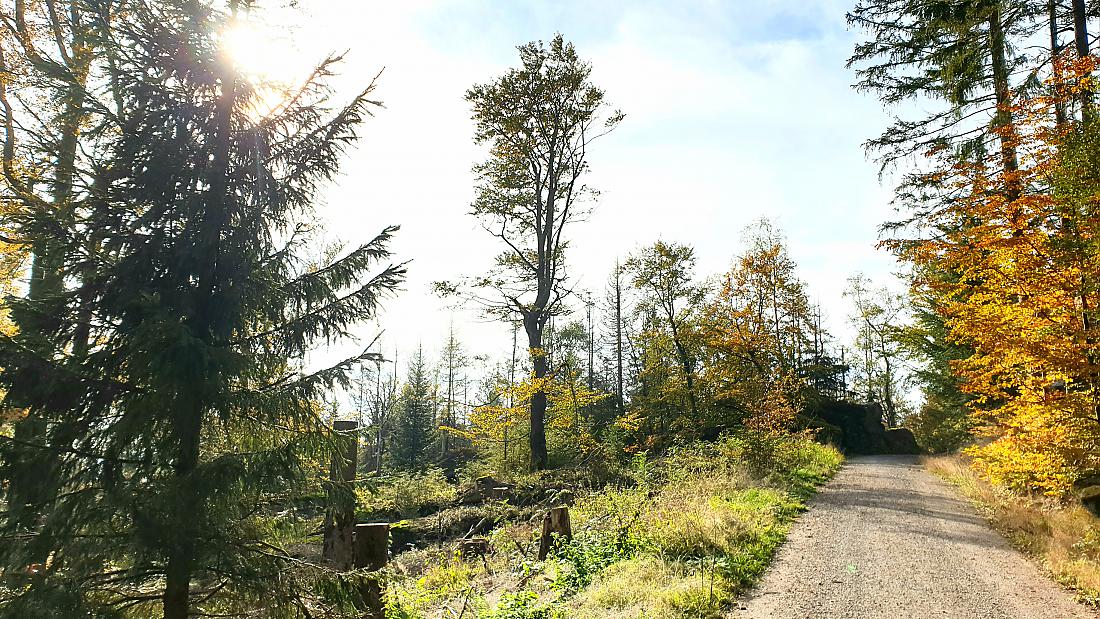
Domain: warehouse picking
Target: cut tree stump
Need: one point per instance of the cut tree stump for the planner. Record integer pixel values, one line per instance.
(371, 552)
(340, 512)
(473, 547)
(554, 525)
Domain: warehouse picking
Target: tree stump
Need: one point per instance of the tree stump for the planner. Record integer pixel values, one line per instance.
(473, 547)
(340, 511)
(554, 524)
(372, 545)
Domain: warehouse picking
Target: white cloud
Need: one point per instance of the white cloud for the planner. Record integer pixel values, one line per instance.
(729, 118)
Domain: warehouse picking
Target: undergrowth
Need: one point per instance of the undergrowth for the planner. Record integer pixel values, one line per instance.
(683, 538)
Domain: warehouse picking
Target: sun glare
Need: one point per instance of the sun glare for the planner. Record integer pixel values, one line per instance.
(268, 58)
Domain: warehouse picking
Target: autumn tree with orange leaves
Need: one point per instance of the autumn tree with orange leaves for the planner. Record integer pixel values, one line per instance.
(1021, 242)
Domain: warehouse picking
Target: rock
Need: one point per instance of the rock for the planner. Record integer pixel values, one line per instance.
(858, 429)
(901, 441)
(1090, 498)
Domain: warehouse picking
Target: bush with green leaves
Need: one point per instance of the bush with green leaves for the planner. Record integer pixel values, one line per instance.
(406, 495)
(524, 605)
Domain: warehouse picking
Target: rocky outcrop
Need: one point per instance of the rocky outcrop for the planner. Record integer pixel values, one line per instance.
(858, 429)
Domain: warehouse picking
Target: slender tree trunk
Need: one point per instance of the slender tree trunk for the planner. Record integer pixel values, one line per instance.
(1081, 41)
(187, 424)
(619, 403)
(511, 387)
(1055, 51)
(591, 345)
(539, 457)
(30, 491)
(1003, 120)
(688, 368)
(181, 555)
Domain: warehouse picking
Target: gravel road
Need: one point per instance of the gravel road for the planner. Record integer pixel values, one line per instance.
(887, 539)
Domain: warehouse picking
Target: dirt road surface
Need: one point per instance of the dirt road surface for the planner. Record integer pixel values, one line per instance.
(886, 539)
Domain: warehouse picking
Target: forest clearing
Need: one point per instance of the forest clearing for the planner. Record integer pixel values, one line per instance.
(327, 310)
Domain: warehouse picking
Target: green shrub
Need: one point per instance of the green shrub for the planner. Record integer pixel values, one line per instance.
(523, 605)
(407, 495)
(590, 553)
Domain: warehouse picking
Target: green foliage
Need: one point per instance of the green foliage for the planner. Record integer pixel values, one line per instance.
(592, 552)
(523, 605)
(414, 427)
(170, 424)
(406, 494)
(941, 428)
(448, 577)
(943, 424)
(701, 528)
(675, 536)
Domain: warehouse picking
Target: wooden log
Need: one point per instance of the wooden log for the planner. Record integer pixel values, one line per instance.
(555, 524)
(372, 545)
(340, 511)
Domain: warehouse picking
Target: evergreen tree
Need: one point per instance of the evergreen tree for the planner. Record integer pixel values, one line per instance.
(163, 374)
(42, 170)
(414, 428)
(453, 364)
(943, 423)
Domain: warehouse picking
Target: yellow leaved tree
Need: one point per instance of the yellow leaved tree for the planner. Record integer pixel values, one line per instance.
(1022, 245)
(500, 429)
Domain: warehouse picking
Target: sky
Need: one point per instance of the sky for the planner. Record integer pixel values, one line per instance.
(735, 110)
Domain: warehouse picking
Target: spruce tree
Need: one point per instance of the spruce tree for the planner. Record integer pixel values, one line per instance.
(414, 428)
(165, 374)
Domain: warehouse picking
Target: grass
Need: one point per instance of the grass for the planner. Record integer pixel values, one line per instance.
(1064, 538)
(703, 527)
(682, 538)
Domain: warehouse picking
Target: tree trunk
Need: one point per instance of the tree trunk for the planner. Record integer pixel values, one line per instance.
(181, 554)
(188, 422)
(1003, 118)
(555, 523)
(1055, 51)
(619, 403)
(685, 363)
(372, 544)
(340, 515)
(177, 583)
(539, 457)
(1081, 40)
(27, 497)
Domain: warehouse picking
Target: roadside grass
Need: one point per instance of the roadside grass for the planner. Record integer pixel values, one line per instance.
(1064, 538)
(681, 537)
(712, 517)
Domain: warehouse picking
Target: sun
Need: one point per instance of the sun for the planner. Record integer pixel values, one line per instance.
(261, 52)
(268, 58)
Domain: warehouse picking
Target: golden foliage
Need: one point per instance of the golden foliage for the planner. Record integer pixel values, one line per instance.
(499, 427)
(1021, 247)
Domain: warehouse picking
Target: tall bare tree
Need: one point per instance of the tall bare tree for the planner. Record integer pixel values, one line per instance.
(538, 121)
